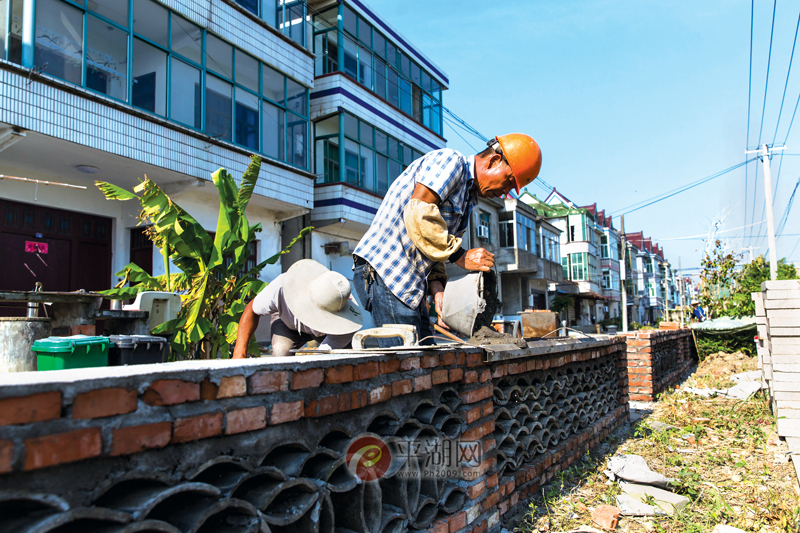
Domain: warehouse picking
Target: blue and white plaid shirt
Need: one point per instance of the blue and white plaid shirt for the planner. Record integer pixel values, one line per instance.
(386, 245)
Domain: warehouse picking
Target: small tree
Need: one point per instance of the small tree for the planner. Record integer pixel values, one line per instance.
(717, 278)
(748, 281)
(212, 286)
(562, 302)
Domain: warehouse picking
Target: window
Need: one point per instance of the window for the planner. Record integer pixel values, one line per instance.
(372, 158)
(178, 70)
(579, 267)
(551, 246)
(376, 63)
(507, 234)
(526, 233)
(484, 224)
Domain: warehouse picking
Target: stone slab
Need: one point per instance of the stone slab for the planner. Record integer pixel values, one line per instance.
(669, 502)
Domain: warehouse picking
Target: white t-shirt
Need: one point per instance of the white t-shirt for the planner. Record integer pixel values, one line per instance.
(270, 301)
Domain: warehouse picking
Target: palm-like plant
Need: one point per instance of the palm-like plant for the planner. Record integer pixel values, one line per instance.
(212, 283)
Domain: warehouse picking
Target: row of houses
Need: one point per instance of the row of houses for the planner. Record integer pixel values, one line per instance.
(336, 101)
(553, 247)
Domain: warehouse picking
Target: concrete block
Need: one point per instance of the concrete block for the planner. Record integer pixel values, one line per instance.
(780, 286)
(670, 503)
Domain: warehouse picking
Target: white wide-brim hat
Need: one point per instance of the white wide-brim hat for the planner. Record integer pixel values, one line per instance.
(321, 299)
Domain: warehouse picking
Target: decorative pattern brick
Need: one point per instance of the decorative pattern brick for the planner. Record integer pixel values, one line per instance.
(29, 409)
(104, 402)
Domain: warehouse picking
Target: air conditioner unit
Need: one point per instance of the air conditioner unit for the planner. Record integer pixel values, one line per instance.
(483, 232)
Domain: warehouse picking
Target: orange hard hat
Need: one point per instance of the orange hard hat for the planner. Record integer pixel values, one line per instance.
(523, 156)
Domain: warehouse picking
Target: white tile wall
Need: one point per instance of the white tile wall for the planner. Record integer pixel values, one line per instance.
(341, 210)
(55, 112)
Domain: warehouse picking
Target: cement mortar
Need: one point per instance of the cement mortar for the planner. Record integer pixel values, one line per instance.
(487, 336)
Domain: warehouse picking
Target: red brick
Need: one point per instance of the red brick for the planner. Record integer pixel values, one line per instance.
(472, 415)
(439, 526)
(269, 381)
(478, 431)
(306, 379)
(490, 501)
(232, 387)
(242, 420)
(380, 394)
(500, 371)
(470, 377)
(422, 383)
(606, 517)
(447, 359)
(28, 409)
(63, 448)
(401, 387)
(390, 367)
(457, 521)
(481, 527)
(486, 375)
(410, 363)
(367, 370)
(477, 395)
(325, 406)
(456, 374)
(171, 392)
(430, 361)
(104, 402)
(6, 456)
(473, 491)
(197, 427)
(513, 368)
(439, 376)
(286, 412)
(491, 481)
(134, 439)
(352, 400)
(339, 374)
(461, 358)
(474, 359)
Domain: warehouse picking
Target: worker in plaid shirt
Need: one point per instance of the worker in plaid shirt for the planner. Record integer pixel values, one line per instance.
(400, 260)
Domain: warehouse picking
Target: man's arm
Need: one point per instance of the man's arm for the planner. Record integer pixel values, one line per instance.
(247, 326)
(474, 259)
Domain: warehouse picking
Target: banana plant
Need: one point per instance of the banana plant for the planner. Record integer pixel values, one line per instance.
(211, 281)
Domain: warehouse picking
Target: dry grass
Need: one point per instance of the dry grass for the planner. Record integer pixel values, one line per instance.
(726, 467)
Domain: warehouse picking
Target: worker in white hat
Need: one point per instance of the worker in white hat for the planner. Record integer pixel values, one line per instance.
(308, 302)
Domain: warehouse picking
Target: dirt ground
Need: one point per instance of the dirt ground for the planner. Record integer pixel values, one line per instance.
(723, 454)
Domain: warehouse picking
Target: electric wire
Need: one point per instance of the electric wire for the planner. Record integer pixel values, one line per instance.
(749, 100)
(785, 217)
(670, 194)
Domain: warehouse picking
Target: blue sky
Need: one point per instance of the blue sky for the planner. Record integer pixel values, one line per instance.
(628, 99)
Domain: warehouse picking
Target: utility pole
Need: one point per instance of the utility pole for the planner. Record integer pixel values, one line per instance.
(623, 275)
(765, 154)
(680, 279)
(750, 249)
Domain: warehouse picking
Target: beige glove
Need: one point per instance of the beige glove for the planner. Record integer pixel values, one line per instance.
(428, 232)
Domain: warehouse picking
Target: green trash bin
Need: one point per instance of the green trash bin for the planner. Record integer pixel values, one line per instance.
(77, 351)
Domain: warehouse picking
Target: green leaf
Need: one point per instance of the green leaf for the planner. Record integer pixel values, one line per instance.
(274, 259)
(169, 326)
(194, 305)
(123, 293)
(112, 192)
(249, 180)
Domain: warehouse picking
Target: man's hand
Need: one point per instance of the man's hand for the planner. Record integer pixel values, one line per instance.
(477, 259)
(247, 325)
(437, 290)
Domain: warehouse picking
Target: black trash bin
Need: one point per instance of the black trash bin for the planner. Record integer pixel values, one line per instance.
(137, 350)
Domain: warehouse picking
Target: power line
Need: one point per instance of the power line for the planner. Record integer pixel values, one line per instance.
(679, 190)
(706, 234)
(785, 216)
(749, 99)
(769, 61)
(786, 85)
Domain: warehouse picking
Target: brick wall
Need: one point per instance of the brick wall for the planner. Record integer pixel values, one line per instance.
(209, 445)
(657, 359)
